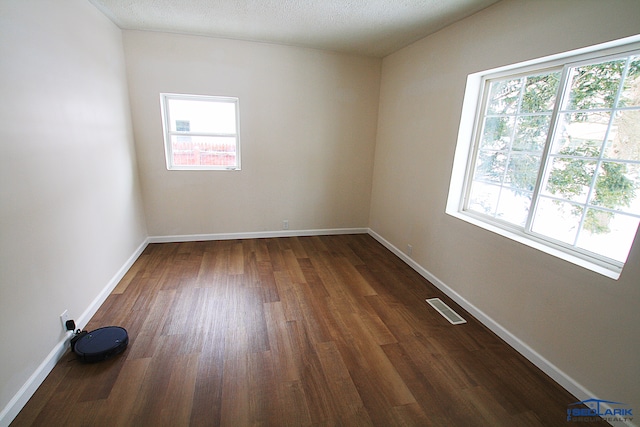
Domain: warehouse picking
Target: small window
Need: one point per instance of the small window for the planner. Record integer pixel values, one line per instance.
(201, 132)
(554, 157)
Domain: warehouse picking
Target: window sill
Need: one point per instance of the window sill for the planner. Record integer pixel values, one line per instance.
(608, 270)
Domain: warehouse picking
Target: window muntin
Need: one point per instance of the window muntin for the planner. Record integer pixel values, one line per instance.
(201, 132)
(557, 157)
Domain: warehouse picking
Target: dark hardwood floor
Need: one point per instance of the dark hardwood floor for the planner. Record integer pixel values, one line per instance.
(323, 331)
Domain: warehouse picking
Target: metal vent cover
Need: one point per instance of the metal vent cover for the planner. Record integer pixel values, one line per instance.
(442, 308)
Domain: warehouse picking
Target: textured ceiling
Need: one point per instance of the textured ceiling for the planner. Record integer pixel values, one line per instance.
(367, 27)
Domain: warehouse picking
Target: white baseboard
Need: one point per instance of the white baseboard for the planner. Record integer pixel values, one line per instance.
(559, 376)
(23, 395)
(27, 390)
(255, 235)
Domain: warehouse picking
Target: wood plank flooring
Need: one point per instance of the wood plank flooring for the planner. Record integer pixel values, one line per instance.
(301, 331)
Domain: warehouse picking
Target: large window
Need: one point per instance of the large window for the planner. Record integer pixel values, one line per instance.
(201, 132)
(554, 156)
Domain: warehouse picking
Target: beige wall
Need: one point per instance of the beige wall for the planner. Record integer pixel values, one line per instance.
(307, 129)
(583, 323)
(70, 211)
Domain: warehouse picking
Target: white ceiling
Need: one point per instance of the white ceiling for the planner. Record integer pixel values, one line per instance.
(367, 27)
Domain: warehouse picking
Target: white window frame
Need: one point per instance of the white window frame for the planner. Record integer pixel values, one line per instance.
(464, 157)
(168, 133)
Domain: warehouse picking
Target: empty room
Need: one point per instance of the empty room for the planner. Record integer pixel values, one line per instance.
(358, 212)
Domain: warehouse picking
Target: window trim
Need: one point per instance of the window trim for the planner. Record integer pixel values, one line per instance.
(464, 157)
(168, 133)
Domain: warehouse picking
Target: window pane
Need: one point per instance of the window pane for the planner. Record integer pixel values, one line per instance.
(497, 133)
(183, 125)
(624, 139)
(581, 134)
(595, 86)
(522, 171)
(504, 96)
(203, 150)
(558, 220)
(490, 166)
(618, 187)
(202, 116)
(531, 133)
(615, 240)
(509, 204)
(513, 206)
(570, 178)
(630, 96)
(540, 93)
(484, 198)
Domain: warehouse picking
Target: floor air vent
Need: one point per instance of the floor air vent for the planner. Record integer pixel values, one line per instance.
(453, 317)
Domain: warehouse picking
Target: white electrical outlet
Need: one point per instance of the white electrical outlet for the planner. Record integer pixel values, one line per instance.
(285, 224)
(63, 318)
(409, 250)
